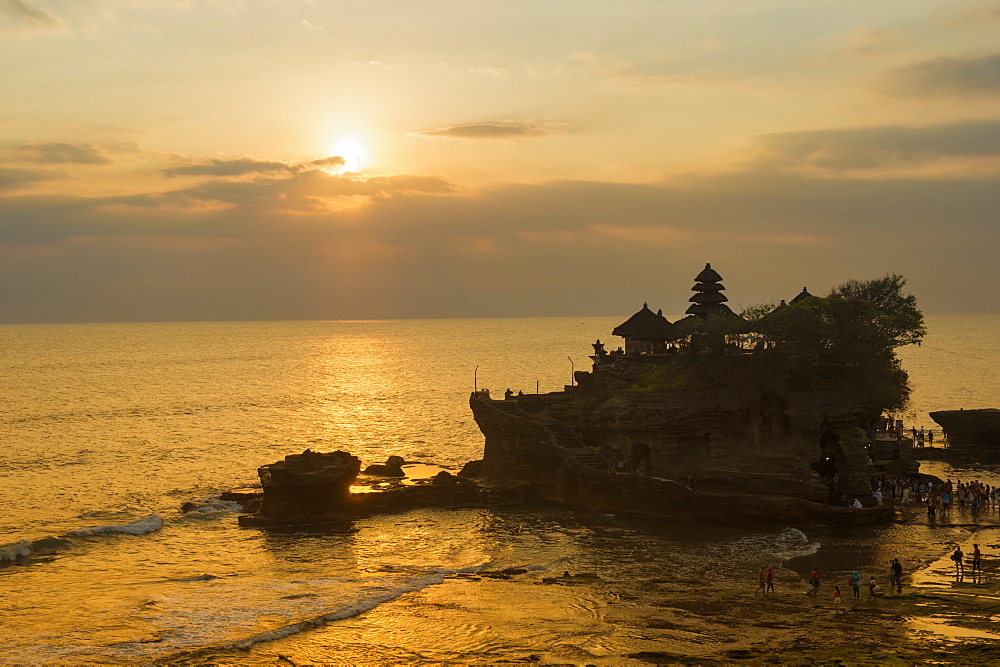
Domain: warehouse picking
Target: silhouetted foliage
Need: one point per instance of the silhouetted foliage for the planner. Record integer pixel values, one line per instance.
(844, 342)
(896, 314)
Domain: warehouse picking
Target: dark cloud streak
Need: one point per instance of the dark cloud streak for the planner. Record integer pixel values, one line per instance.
(946, 77)
(20, 13)
(486, 131)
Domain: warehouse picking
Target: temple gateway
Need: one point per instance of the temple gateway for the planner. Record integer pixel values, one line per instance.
(676, 423)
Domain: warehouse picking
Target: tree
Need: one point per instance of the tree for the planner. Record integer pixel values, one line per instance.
(897, 317)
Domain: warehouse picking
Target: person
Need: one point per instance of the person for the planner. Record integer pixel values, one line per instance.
(959, 563)
(814, 580)
(977, 565)
(857, 504)
(930, 437)
(878, 497)
(507, 395)
(872, 588)
(836, 599)
(770, 580)
(761, 581)
(856, 585)
(897, 574)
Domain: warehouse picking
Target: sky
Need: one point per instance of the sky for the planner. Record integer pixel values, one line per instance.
(337, 159)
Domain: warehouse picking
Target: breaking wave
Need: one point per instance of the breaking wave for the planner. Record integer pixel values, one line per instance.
(10, 553)
(148, 524)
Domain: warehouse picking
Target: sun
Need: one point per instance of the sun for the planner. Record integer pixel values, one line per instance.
(353, 151)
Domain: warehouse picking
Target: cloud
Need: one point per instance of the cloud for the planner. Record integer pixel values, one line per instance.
(19, 14)
(249, 165)
(55, 152)
(878, 147)
(15, 178)
(946, 77)
(867, 42)
(493, 130)
(416, 246)
(976, 16)
(303, 190)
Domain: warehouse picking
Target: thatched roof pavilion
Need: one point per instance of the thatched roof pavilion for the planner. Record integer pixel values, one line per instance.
(645, 331)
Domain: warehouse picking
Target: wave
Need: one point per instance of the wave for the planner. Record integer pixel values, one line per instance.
(210, 505)
(18, 551)
(192, 621)
(11, 553)
(148, 524)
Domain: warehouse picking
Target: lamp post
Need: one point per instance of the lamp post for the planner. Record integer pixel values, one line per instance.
(572, 372)
(475, 380)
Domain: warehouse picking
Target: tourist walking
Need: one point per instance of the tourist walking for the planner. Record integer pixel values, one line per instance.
(770, 580)
(856, 584)
(814, 580)
(761, 581)
(872, 587)
(959, 564)
(836, 599)
(897, 575)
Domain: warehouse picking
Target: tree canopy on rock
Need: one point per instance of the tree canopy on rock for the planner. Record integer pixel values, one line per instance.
(842, 342)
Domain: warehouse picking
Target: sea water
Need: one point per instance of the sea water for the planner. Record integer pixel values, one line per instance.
(107, 429)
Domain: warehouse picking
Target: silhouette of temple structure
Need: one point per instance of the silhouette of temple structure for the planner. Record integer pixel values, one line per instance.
(665, 427)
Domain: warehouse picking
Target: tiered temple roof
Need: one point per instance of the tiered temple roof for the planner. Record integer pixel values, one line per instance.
(708, 298)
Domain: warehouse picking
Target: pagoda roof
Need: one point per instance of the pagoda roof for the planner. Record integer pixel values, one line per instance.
(708, 287)
(804, 294)
(644, 325)
(709, 309)
(708, 297)
(708, 275)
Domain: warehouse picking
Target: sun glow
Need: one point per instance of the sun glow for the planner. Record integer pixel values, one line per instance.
(353, 152)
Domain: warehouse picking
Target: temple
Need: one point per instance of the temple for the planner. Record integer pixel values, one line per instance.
(681, 422)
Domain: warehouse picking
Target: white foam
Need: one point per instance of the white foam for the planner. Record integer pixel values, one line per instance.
(11, 552)
(210, 505)
(148, 524)
(236, 613)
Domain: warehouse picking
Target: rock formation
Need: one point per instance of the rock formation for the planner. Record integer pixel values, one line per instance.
(972, 431)
(393, 467)
(308, 484)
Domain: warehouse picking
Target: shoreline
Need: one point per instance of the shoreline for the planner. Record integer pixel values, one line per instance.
(613, 618)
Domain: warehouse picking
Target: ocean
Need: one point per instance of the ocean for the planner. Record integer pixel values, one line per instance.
(107, 429)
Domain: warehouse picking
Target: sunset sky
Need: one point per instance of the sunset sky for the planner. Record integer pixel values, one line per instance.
(335, 159)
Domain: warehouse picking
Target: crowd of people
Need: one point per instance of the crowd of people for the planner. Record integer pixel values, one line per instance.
(936, 495)
(855, 582)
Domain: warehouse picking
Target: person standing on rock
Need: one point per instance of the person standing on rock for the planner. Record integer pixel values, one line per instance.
(770, 580)
(761, 581)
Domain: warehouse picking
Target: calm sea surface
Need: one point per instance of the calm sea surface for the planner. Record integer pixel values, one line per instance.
(106, 429)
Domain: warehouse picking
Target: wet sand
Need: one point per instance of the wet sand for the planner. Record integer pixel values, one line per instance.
(596, 617)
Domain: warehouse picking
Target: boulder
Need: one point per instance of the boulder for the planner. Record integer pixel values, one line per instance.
(308, 484)
(472, 469)
(444, 477)
(393, 467)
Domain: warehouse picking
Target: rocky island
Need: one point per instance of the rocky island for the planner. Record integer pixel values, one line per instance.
(775, 414)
